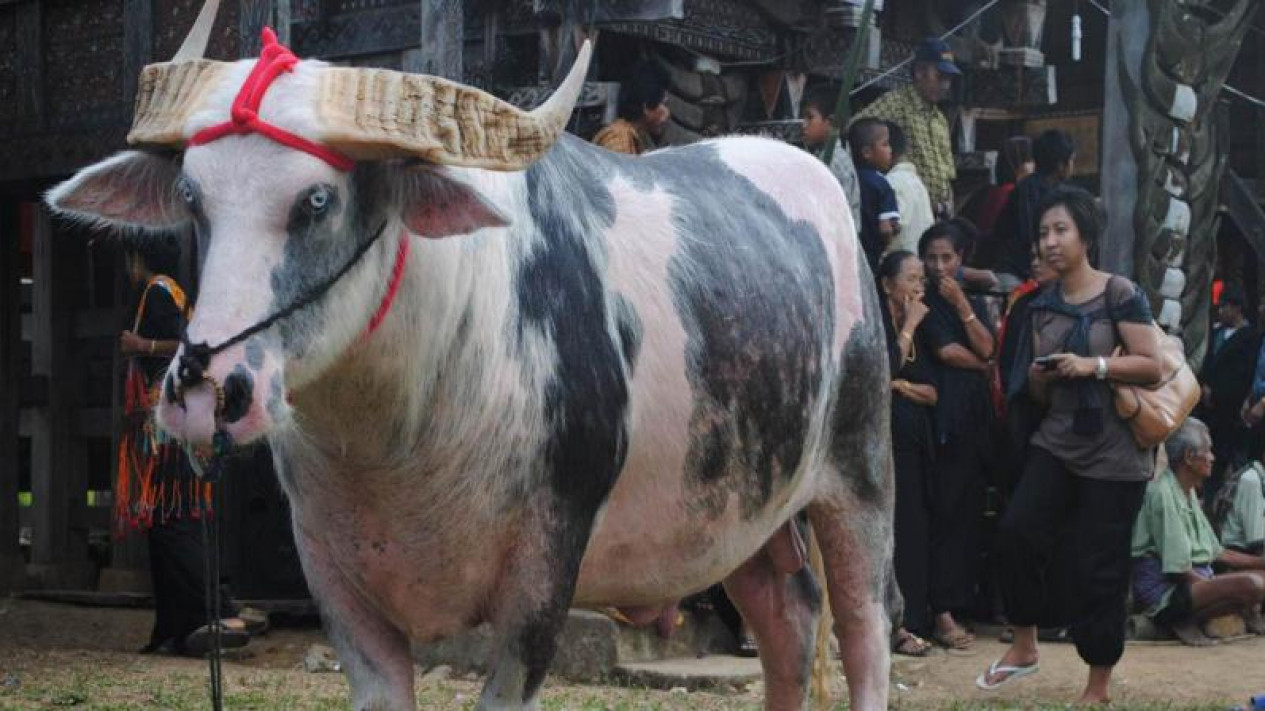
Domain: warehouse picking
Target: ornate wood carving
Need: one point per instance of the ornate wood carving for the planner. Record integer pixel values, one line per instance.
(594, 93)
(1011, 86)
(83, 74)
(552, 11)
(713, 27)
(381, 29)
(1189, 53)
(788, 130)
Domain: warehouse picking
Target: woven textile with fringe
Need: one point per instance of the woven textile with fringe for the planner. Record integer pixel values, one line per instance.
(154, 485)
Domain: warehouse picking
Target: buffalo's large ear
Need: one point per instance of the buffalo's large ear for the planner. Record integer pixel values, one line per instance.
(437, 205)
(132, 190)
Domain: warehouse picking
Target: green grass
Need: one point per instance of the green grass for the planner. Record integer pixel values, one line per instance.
(140, 685)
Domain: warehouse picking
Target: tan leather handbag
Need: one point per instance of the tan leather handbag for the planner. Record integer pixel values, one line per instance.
(1156, 411)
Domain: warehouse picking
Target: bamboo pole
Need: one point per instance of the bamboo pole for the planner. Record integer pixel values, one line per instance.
(822, 668)
(851, 67)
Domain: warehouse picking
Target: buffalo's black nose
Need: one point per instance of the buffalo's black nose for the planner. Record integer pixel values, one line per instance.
(192, 364)
(237, 394)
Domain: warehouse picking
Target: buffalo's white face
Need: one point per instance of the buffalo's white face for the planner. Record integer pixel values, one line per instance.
(273, 226)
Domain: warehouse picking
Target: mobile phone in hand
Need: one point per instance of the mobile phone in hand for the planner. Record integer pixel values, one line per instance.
(1048, 362)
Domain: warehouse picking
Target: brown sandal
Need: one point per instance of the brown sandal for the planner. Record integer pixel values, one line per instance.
(908, 644)
(958, 639)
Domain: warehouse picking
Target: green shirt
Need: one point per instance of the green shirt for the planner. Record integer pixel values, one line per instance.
(1246, 523)
(927, 133)
(1172, 527)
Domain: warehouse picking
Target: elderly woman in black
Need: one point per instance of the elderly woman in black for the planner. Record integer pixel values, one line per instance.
(914, 396)
(961, 345)
(1083, 467)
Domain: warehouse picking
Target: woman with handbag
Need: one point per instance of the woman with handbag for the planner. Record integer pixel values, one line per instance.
(1085, 473)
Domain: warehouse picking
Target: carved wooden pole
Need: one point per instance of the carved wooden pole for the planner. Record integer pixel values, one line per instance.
(1126, 39)
(1165, 153)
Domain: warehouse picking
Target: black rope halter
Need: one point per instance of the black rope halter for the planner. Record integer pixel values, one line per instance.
(195, 358)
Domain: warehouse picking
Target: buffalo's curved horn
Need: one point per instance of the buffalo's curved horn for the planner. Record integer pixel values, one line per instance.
(376, 113)
(194, 45)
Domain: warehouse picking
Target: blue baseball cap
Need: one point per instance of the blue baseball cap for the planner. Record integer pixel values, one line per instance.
(936, 51)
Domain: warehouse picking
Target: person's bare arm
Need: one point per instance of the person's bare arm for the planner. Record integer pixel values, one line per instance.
(959, 356)
(1141, 366)
(919, 393)
(887, 231)
(981, 340)
(132, 344)
(1241, 561)
(980, 278)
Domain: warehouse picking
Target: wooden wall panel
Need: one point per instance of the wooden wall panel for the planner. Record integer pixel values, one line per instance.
(83, 60)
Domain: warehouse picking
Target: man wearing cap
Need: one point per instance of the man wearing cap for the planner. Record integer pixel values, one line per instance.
(914, 108)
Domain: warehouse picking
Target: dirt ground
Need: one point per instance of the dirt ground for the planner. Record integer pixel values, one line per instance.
(63, 656)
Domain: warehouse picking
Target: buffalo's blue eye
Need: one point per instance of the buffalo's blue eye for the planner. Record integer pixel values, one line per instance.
(318, 200)
(186, 192)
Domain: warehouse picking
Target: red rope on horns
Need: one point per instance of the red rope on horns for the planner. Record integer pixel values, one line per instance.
(274, 59)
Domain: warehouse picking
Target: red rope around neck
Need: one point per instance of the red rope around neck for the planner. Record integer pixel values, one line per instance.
(397, 276)
(273, 61)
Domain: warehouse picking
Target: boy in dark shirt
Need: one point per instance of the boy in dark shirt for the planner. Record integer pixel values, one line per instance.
(880, 218)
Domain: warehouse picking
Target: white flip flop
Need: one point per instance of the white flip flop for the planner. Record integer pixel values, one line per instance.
(1011, 673)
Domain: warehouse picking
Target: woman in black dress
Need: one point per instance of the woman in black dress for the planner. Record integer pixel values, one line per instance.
(914, 397)
(961, 344)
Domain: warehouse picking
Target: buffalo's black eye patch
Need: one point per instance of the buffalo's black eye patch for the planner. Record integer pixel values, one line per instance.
(312, 206)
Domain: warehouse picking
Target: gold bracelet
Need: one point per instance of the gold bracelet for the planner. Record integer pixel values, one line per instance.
(905, 335)
(968, 319)
(151, 347)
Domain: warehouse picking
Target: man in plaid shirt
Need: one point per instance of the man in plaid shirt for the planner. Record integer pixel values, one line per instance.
(914, 108)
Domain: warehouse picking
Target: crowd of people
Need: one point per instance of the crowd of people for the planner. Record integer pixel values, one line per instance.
(1011, 409)
(1022, 404)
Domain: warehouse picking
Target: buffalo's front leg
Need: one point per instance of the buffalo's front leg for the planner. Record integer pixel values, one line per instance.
(375, 655)
(530, 606)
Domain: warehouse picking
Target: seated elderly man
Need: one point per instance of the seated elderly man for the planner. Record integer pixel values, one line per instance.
(1174, 549)
(1240, 510)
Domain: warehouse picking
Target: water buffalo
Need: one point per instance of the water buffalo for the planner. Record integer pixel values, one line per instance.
(504, 372)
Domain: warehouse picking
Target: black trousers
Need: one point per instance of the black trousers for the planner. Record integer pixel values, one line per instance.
(1098, 517)
(957, 509)
(913, 533)
(176, 563)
